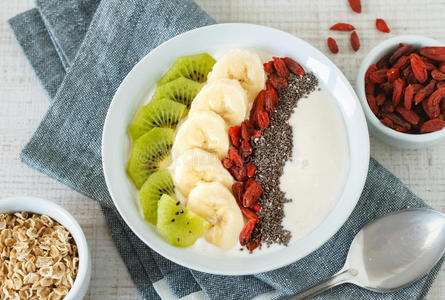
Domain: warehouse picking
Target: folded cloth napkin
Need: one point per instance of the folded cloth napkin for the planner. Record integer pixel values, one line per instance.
(81, 50)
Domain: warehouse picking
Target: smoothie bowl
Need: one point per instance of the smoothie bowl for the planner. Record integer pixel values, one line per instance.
(235, 154)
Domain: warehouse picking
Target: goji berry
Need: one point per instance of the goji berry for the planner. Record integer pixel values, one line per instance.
(379, 76)
(384, 62)
(408, 115)
(408, 96)
(235, 157)
(432, 125)
(293, 66)
(258, 102)
(432, 111)
(280, 67)
(355, 5)
(424, 92)
(246, 129)
(268, 104)
(252, 245)
(268, 67)
(238, 173)
(440, 84)
(332, 45)
(371, 69)
(227, 163)
(387, 122)
(250, 170)
(235, 135)
(402, 62)
(238, 190)
(430, 66)
(277, 81)
(434, 98)
(434, 53)
(272, 93)
(252, 194)
(380, 99)
(250, 214)
(392, 74)
(246, 232)
(404, 50)
(369, 88)
(437, 75)
(388, 107)
(256, 208)
(256, 134)
(249, 182)
(372, 104)
(397, 91)
(387, 88)
(442, 67)
(342, 27)
(246, 148)
(355, 42)
(397, 120)
(381, 25)
(263, 119)
(418, 67)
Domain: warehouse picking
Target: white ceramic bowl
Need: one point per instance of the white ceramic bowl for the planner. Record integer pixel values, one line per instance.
(144, 76)
(58, 213)
(386, 134)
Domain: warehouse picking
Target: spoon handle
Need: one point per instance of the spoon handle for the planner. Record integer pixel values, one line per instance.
(344, 275)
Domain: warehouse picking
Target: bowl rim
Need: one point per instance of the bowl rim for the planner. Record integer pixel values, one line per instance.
(335, 220)
(63, 217)
(372, 57)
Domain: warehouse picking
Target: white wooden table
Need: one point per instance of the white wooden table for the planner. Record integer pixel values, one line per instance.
(23, 103)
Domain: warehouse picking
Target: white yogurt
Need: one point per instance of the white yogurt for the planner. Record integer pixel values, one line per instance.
(315, 175)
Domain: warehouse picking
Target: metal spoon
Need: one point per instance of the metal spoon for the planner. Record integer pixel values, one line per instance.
(390, 253)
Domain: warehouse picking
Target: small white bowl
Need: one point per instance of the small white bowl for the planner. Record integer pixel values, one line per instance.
(59, 214)
(143, 77)
(386, 134)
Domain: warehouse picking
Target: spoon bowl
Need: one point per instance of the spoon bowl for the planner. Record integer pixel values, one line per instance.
(390, 253)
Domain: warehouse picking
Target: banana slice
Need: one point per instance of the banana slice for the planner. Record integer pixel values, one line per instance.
(196, 165)
(205, 130)
(215, 203)
(244, 66)
(226, 97)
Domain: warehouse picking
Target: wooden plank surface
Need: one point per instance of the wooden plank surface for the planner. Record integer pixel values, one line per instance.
(23, 103)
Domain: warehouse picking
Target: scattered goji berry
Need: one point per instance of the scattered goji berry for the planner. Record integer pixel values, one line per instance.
(382, 26)
(246, 232)
(252, 194)
(256, 208)
(227, 163)
(294, 67)
(235, 135)
(355, 42)
(332, 45)
(272, 93)
(235, 157)
(252, 245)
(246, 148)
(256, 134)
(342, 27)
(268, 67)
(251, 215)
(280, 67)
(355, 5)
(238, 173)
(263, 119)
(277, 81)
(250, 170)
(238, 190)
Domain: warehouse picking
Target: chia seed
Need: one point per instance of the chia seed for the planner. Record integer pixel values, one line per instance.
(270, 153)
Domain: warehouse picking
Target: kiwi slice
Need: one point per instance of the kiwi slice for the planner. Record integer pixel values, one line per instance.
(181, 90)
(150, 153)
(179, 225)
(159, 183)
(194, 67)
(157, 113)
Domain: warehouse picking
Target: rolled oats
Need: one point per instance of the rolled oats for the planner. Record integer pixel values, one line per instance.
(38, 257)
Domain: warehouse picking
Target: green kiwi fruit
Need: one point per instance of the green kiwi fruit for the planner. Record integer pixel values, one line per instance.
(159, 183)
(150, 153)
(194, 67)
(158, 113)
(181, 90)
(177, 224)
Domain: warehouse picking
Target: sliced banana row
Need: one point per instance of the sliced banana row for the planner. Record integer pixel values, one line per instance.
(202, 141)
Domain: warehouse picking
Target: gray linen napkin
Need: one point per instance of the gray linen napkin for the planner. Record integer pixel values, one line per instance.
(66, 146)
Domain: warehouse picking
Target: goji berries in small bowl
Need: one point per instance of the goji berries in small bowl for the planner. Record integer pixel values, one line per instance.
(400, 87)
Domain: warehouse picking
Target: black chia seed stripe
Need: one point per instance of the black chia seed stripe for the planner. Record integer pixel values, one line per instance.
(270, 153)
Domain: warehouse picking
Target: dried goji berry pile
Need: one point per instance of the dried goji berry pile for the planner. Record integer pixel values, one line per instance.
(246, 189)
(406, 89)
